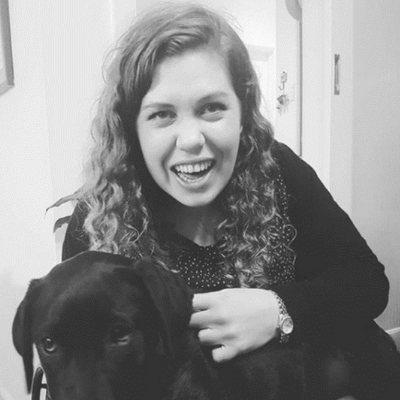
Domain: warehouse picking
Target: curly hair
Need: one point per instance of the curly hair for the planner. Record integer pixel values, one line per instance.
(125, 204)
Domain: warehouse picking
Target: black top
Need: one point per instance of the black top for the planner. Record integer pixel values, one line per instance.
(200, 266)
(339, 283)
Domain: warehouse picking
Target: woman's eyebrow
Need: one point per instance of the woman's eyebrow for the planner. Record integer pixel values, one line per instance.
(220, 94)
(156, 104)
(214, 95)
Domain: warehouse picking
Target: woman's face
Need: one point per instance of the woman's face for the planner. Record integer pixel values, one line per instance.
(189, 127)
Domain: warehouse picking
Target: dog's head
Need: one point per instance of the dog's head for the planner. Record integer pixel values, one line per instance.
(104, 328)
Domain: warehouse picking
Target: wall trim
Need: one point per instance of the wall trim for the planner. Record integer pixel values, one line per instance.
(395, 334)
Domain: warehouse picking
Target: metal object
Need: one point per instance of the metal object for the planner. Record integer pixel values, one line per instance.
(38, 385)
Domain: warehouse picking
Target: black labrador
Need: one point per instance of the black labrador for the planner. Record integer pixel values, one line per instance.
(109, 329)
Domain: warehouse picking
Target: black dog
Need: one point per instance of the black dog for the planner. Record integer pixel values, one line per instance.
(107, 329)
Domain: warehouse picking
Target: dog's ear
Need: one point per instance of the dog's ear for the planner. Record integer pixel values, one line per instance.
(21, 331)
(171, 297)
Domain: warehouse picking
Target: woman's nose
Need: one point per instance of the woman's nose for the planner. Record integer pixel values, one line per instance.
(190, 137)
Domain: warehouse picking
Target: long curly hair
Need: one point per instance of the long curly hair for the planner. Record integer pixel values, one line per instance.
(125, 205)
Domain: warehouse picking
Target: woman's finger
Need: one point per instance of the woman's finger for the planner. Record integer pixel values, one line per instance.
(200, 320)
(223, 353)
(202, 301)
(209, 337)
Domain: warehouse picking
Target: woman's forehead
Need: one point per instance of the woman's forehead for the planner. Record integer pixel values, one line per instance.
(200, 72)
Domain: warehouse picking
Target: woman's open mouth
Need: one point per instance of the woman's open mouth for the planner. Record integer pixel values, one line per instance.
(191, 173)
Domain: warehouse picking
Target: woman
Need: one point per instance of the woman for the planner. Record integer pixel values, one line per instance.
(185, 169)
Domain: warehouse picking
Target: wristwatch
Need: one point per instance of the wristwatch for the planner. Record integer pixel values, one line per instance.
(285, 322)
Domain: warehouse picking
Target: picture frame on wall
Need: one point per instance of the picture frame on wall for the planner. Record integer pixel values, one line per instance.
(6, 62)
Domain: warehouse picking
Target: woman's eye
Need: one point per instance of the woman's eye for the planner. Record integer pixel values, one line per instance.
(161, 115)
(213, 108)
(49, 345)
(120, 336)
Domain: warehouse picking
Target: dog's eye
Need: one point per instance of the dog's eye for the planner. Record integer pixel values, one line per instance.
(49, 346)
(120, 335)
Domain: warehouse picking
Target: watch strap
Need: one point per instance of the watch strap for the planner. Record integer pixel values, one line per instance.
(283, 315)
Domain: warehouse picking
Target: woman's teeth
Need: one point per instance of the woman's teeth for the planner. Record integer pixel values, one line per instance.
(192, 171)
(190, 168)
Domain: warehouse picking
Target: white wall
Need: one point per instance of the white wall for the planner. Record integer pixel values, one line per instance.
(255, 20)
(26, 243)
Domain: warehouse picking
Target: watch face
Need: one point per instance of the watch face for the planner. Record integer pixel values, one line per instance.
(287, 325)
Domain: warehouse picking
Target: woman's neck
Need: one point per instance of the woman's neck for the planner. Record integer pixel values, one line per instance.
(196, 224)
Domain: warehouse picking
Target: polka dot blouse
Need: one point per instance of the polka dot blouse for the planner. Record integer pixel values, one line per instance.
(203, 266)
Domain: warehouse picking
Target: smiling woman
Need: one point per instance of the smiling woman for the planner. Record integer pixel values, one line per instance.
(189, 127)
(185, 169)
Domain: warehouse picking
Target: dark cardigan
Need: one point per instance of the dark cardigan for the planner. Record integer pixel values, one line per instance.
(340, 286)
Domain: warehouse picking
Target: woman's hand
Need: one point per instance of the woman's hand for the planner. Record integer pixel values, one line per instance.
(235, 321)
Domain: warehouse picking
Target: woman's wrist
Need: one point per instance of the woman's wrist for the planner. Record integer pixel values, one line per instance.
(285, 323)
